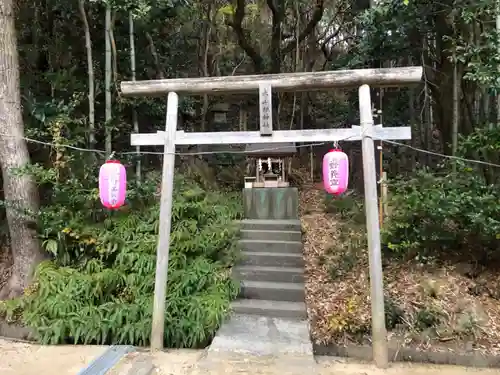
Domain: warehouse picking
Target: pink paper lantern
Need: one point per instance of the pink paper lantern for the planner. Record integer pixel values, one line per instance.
(335, 172)
(112, 184)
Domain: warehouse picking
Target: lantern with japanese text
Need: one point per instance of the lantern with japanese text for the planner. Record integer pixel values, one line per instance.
(335, 172)
(112, 184)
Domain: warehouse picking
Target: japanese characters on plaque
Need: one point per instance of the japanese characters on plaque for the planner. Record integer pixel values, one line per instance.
(334, 172)
(265, 107)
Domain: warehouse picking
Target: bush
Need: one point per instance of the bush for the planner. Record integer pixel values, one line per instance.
(348, 206)
(438, 214)
(435, 214)
(98, 288)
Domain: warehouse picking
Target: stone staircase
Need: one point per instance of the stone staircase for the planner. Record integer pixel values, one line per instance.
(272, 270)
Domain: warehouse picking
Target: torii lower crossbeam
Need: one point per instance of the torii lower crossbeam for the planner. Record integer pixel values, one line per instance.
(279, 136)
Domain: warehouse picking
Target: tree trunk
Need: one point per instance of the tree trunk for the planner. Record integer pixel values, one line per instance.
(90, 72)
(135, 120)
(455, 113)
(21, 196)
(107, 80)
(206, 50)
(497, 18)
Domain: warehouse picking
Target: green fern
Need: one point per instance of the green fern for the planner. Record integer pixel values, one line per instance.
(99, 287)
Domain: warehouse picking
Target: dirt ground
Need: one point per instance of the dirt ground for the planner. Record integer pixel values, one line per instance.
(242, 365)
(434, 307)
(27, 359)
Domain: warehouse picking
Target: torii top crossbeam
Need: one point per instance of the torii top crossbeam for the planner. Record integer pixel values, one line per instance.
(307, 81)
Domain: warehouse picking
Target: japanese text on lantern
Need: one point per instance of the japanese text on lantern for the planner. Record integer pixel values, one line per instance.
(113, 182)
(334, 172)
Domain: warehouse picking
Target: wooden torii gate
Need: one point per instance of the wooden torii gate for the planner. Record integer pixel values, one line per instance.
(310, 81)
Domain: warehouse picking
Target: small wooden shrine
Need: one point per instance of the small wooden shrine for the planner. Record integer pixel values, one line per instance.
(269, 164)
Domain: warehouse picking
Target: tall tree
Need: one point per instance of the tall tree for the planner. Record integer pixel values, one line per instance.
(278, 50)
(107, 78)
(21, 195)
(138, 170)
(90, 72)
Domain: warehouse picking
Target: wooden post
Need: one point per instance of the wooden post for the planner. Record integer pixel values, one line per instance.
(311, 163)
(381, 171)
(381, 155)
(385, 202)
(162, 252)
(379, 332)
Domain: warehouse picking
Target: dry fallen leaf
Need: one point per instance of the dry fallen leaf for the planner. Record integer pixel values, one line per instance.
(411, 287)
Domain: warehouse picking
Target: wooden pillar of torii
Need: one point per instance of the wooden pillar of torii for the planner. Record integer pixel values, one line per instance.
(366, 132)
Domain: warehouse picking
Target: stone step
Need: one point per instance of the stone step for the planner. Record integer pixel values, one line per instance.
(293, 247)
(273, 274)
(271, 235)
(259, 342)
(272, 291)
(268, 259)
(274, 309)
(286, 225)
